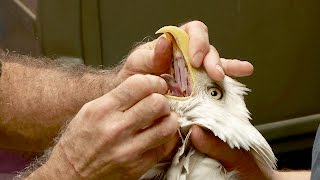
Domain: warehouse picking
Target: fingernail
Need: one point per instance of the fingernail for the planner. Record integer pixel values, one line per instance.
(160, 39)
(160, 42)
(197, 59)
(163, 45)
(219, 68)
(164, 84)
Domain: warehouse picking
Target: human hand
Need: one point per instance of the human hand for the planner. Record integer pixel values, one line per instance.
(216, 67)
(232, 159)
(155, 57)
(209, 144)
(121, 134)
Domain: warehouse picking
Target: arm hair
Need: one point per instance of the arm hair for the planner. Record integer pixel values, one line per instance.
(38, 95)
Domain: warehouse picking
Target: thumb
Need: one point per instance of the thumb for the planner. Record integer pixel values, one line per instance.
(206, 142)
(150, 58)
(231, 159)
(162, 56)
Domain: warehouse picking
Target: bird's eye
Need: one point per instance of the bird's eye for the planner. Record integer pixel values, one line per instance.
(215, 93)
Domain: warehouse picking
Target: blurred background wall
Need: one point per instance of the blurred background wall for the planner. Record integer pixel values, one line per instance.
(281, 39)
(17, 26)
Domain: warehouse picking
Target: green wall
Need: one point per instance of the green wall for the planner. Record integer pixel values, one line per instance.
(281, 39)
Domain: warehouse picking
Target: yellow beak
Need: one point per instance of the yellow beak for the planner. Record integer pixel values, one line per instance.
(180, 42)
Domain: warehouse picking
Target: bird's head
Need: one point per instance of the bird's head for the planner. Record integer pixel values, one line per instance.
(217, 106)
(192, 90)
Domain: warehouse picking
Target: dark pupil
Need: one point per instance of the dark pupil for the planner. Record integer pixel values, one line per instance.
(214, 93)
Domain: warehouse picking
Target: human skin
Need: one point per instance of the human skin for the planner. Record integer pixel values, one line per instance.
(37, 97)
(45, 96)
(239, 160)
(116, 136)
(111, 147)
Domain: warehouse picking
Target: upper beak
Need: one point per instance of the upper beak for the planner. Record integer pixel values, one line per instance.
(180, 42)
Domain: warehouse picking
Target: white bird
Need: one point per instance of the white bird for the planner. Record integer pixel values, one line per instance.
(216, 106)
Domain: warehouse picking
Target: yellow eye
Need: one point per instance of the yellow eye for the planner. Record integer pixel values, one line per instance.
(215, 93)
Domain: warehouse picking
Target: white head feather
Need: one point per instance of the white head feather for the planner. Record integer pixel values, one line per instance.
(218, 107)
(227, 117)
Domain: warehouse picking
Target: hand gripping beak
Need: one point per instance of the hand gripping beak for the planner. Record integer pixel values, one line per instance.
(181, 82)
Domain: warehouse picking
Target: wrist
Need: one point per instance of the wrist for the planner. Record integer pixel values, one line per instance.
(56, 167)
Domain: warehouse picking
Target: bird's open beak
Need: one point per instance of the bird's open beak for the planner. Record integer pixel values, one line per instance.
(181, 80)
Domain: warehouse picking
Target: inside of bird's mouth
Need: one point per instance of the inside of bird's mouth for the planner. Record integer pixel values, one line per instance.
(179, 80)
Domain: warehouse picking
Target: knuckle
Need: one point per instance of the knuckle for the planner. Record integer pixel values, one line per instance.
(174, 119)
(225, 65)
(159, 103)
(139, 81)
(87, 109)
(144, 81)
(120, 93)
(112, 132)
(173, 124)
(200, 24)
(152, 79)
(124, 156)
(153, 83)
(87, 106)
(120, 159)
(106, 106)
(158, 83)
(136, 78)
(149, 79)
(214, 50)
(97, 110)
(169, 129)
(137, 113)
(164, 133)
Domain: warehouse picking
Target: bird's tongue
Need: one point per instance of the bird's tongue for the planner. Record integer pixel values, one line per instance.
(179, 79)
(174, 87)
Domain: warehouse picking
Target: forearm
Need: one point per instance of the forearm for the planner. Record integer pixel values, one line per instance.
(38, 96)
(287, 175)
(53, 165)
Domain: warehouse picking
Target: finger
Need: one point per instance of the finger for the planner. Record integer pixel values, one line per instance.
(170, 149)
(134, 89)
(199, 44)
(148, 60)
(207, 143)
(158, 134)
(212, 65)
(162, 153)
(162, 56)
(236, 67)
(146, 45)
(145, 112)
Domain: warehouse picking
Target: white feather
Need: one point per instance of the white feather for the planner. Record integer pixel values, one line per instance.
(228, 118)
